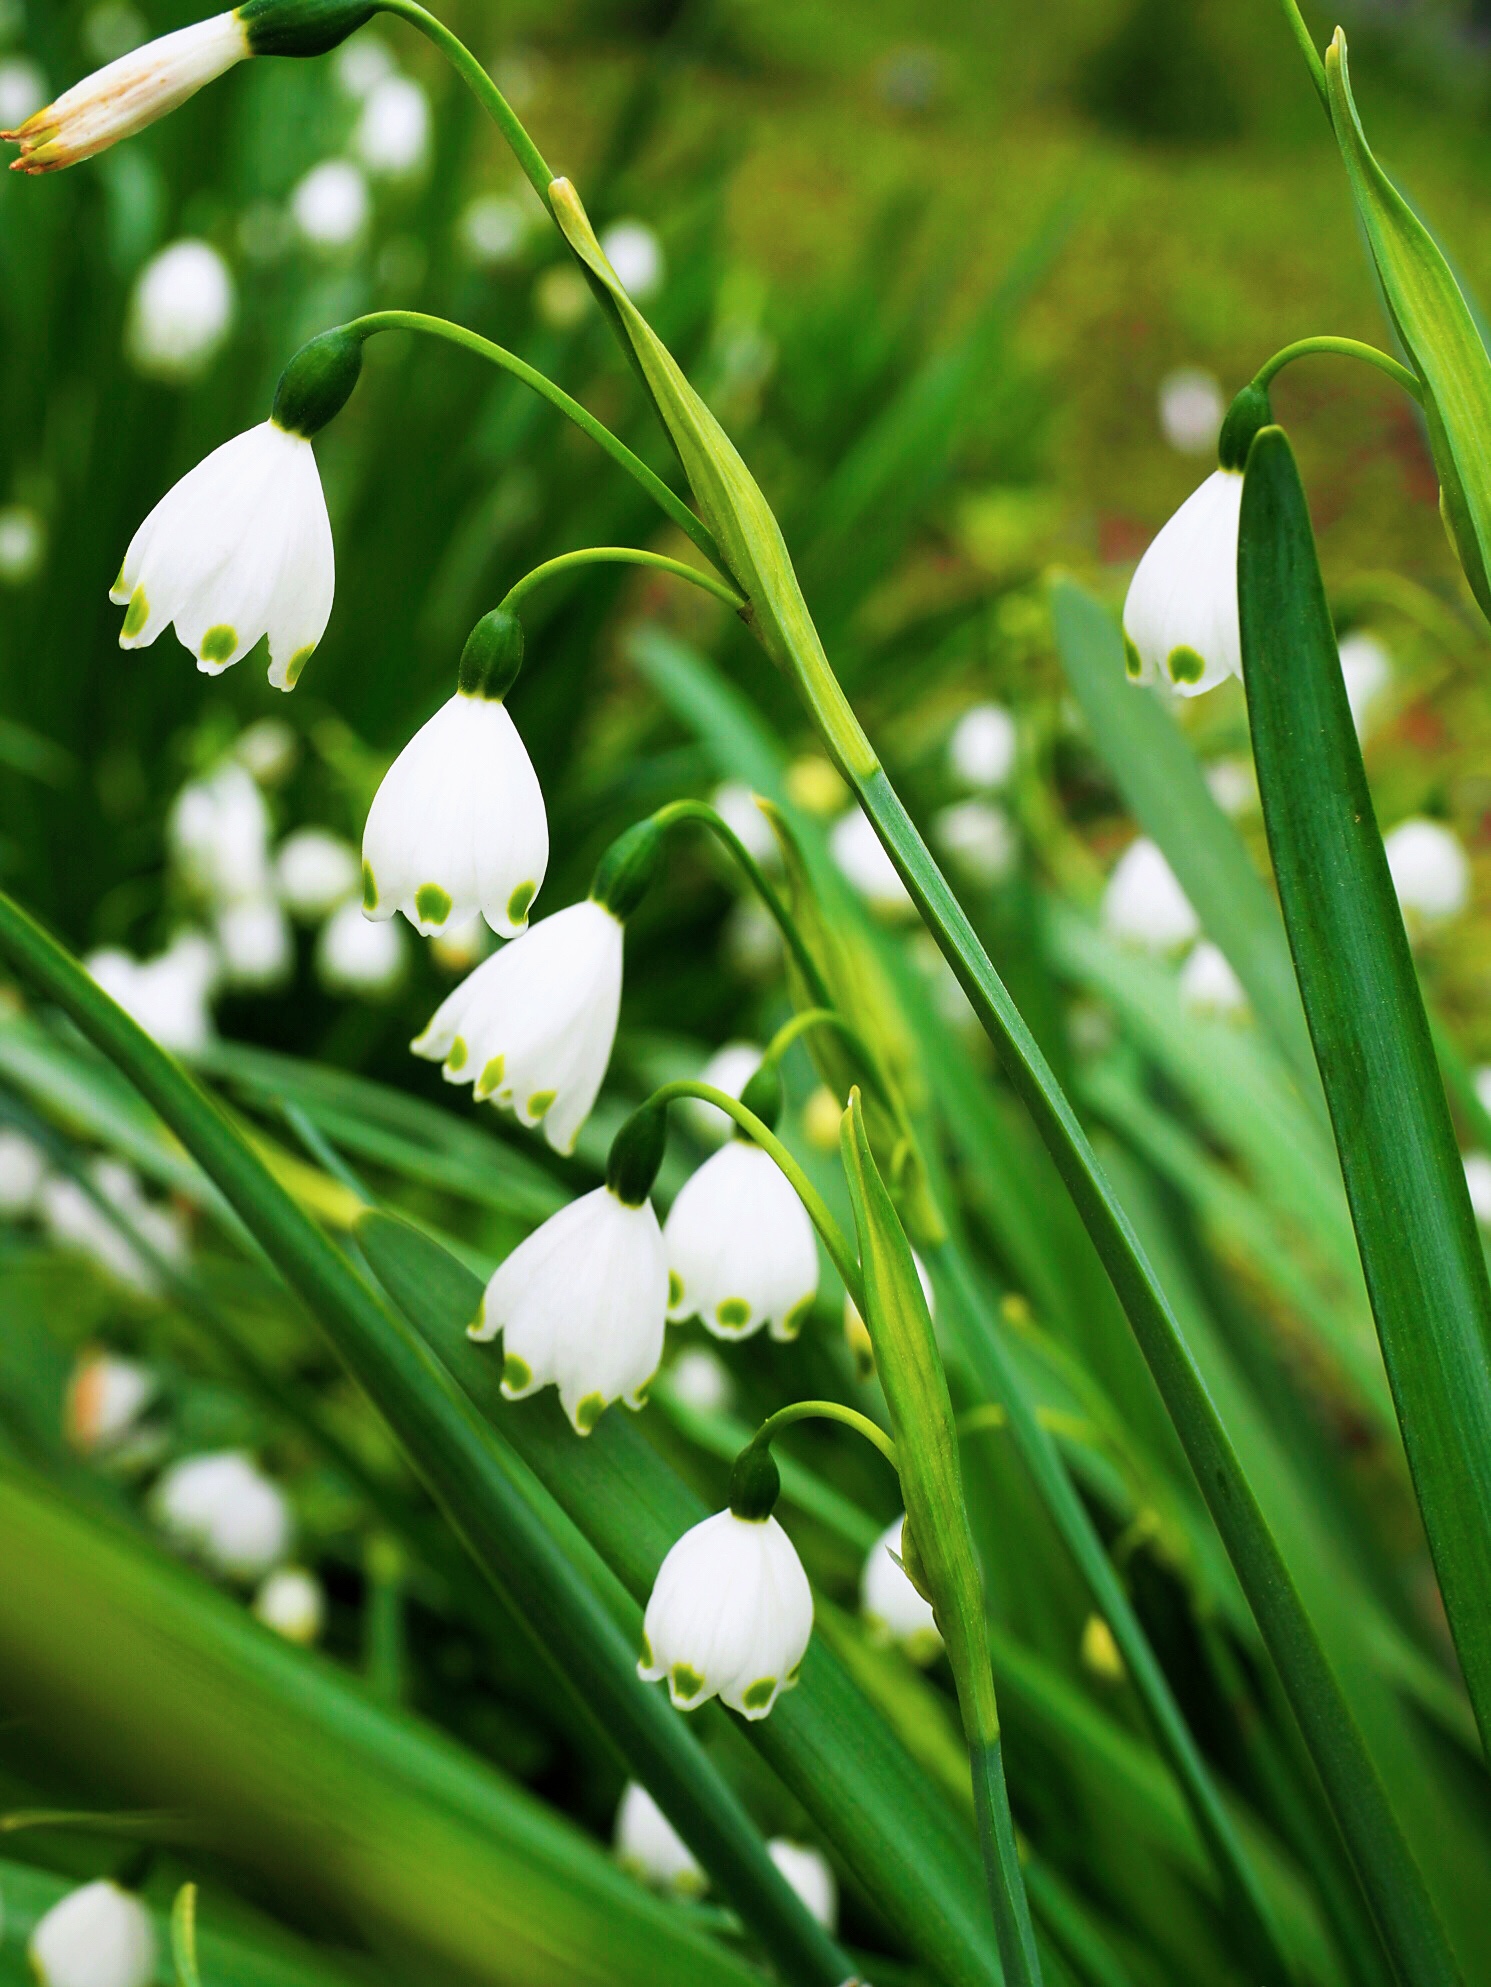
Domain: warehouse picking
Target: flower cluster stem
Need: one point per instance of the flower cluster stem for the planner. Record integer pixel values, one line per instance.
(1308, 49)
(618, 555)
(847, 1417)
(535, 168)
(1340, 348)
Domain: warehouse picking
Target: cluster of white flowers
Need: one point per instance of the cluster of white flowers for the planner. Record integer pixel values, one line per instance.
(650, 1847)
(72, 1217)
(221, 1507)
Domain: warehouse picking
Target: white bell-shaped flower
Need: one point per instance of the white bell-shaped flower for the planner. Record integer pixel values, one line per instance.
(1180, 619)
(314, 871)
(123, 98)
(254, 943)
(700, 1379)
(1367, 671)
(23, 1170)
(735, 803)
(106, 1396)
(740, 1247)
(1478, 1185)
(392, 136)
(891, 1605)
(239, 548)
(458, 824)
(582, 1306)
(1208, 984)
(331, 205)
(531, 1029)
(807, 1871)
(98, 1936)
(981, 751)
(729, 1069)
(650, 1847)
(225, 1509)
(1144, 905)
(1429, 868)
(291, 1602)
(979, 838)
(730, 1616)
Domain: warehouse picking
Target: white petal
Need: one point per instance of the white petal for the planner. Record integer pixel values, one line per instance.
(1180, 617)
(97, 1936)
(730, 1615)
(740, 1247)
(1144, 903)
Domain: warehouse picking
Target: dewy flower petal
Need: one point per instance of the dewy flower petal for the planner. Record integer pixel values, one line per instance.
(581, 1305)
(531, 1029)
(730, 1616)
(458, 825)
(241, 547)
(123, 98)
(97, 1936)
(1180, 619)
(740, 1247)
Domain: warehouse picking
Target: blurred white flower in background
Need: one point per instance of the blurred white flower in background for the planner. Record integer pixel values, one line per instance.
(96, 1936)
(981, 750)
(180, 311)
(979, 837)
(23, 544)
(735, 803)
(361, 64)
(729, 1069)
(106, 1396)
(650, 1847)
(353, 955)
(393, 133)
(1208, 984)
(73, 1218)
(894, 1609)
(330, 206)
(23, 89)
(807, 1871)
(314, 871)
(1144, 905)
(635, 253)
(1191, 408)
(218, 833)
(166, 995)
(23, 1167)
(1367, 670)
(750, 941)
(222, 1507)
(1232, 785)
(291, 1602)
(268, 749)
(493, 230)
(264, 232)
(112, 29)
(254, 942)
(463, 945)
(1478, 1183)
(858, 851)
(700, 1379)
(1430, 870)
(561, 297)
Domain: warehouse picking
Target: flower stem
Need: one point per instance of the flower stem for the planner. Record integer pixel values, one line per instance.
(1308, 49)
(847, 1417)
(1341, 348)
(808, 1018)
(471, 341)
(619, 555)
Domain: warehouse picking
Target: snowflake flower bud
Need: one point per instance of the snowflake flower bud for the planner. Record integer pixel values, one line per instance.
(1430, 871)
(650, 1847)
(894, 1609)
(981, 750)
(1144, 905)
(98, 1936)
(225, 1509)
(807, 1871)
(581, 1305)
(106, 1396)
(292, 1603)
(741, 1249)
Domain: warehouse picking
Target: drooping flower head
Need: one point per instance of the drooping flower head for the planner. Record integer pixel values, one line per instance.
(96, 1936)
(650, 1847)
(807, 1871)
(458, 825)
(1144, 904)
(889, 1602)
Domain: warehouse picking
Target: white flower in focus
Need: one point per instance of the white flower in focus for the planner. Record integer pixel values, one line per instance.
(978, 836)
(1208, 984)
(23, 90)
(239, 548)
(531, 1029)
(729, 1069)
(356, 957)
(254, 943)
(1430, 870)
(1478, 1185)
(1180, 618)
(361, 63)
(314, 871)
(218, 833)
(23, 544)
(740, 1247)
(180, 311)
(1232, 785)
(581, 1305)
(458, 824)
(106, 1396)
(891, 1605)
(140, 87)
(330, 206)
(807, 1871)
(698, 1378)
(393, 133)
(23, 1168)
(730, 1616)
(166, 995)
(223, 1508)
(981, 751)
(493, 230)
(292, 1603)
(735, 803)
(636, 255)
(1191, 409)
(1144, 905)
(268, 749)
(1367, 670)
(650, 1847)
(98, 1936)
(860, 854)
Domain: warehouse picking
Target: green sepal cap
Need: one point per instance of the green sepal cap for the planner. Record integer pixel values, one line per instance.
(318, 382)
(755, 1483)
(637, 1153)
(625, 873)
(1247, 414)
(493, 655)
(301, 27)
(763, 1095)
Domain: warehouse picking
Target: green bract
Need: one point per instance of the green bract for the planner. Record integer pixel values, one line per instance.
(301, 27)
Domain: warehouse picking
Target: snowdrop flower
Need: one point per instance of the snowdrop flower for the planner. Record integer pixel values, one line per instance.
(393, 133)
(650, 1847)
(894, 1609)
(166, 995)
(123, 98)
(98, 1936)
(740, 1247)
(458, 824)
(978, 836)
(735, 803)
(857, 1332)
(636, 255)
(807, 1871)
(1367, 670)
(106, 1396)
(858, 851)
(180, 311)
(750, 941)
(291, 1602)
(581, 1305)
(314, 871)
(1180, 618)
(355, 957)
(23, 1168)
(253, 941)
(981, 751)
(531, 1029)
(330, 205)
(1430, 871)
(222, 1507)
(1478, 1185)
(493, 230)
(1208, 984)
(1191, 410)
(698, 1378)
(23, 90)
(729, 1069)
(218, 833)
(23, 544)
(1144, 905)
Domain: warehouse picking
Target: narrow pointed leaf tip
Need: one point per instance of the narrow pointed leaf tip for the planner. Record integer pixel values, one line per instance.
(1415, 1230)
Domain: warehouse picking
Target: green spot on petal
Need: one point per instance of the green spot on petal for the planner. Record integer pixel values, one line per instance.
(457, 1057)
(137, 613)
(675, 1290)
(733, 1312)
(220, 644)
(686, 1682)
(755, 1696)
(518, 902)
(589, 1412)
(1133, 662)
(490, 1077)
(1185, 666)
(432, 904)
(793, 1322)
(369, 888)
(647, 1662)
(296, 663)
(539, 1102)
(517, 1374)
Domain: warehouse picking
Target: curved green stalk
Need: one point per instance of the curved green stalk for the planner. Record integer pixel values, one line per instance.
(1340, 348)
(599, 433)
(618, 555)
(847, 1417)
(535, 169)
(808, 1018)
(1313, 59)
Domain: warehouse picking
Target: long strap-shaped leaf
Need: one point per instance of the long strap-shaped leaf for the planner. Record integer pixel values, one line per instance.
(489, 1497)
(1420, 1249)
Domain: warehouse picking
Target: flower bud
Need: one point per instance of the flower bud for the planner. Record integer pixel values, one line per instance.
(493, 655)
(301, 27)
(626, 871)
(318, 382)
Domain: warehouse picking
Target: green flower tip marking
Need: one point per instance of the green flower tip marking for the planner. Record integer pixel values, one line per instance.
(518, 902)
(136, 614)
(219, 644)
(685, 1683)
(539, 1103)
(1133, 662)
(675, 1290)
(296, 663)
(1185, 666)
(792, 1324)
(458, 1053)
(733, 1313)
(432, 903)
(645, 1662)
(589, 1412)
(489, 1079)
(758, 1695)
(517, 1374)
(369, 888)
